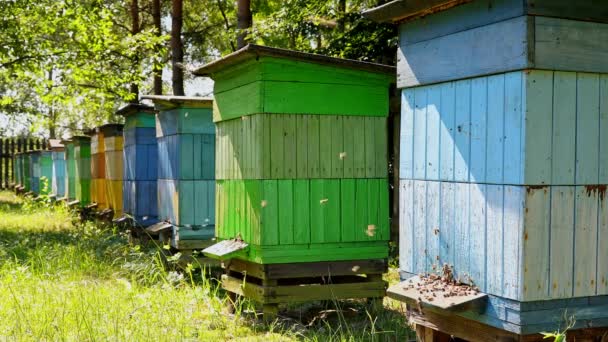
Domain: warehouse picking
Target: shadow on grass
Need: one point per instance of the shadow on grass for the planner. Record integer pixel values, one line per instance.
(351, 320)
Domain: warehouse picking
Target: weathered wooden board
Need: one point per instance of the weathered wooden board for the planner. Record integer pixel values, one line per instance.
(499, 38)
(295, 212)
(409, 291)
(519, 128)
(570, 45)
(273, 85)
(299, 147)
(497, 47)
(524, 243)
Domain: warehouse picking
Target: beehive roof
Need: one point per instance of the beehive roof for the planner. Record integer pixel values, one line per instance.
(172, 101)
(133, 108)
(401, 10)
(56, 144)
(254, 51)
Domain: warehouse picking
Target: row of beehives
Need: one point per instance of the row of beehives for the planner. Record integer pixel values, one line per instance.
(298, 180)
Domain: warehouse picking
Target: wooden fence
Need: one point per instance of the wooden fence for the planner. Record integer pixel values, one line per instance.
(8, 148)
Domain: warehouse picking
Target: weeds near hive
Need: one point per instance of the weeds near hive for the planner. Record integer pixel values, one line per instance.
(560, 335)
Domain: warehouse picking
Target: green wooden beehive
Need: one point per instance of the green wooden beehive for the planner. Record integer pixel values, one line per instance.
(82, 169)
(301, 146)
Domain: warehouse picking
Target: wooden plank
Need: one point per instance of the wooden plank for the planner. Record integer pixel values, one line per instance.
(420, 226)
(447, 131)
(479, 126)
(266, 144)
(269, 220)
(337, 146)
(314, 152)
(461, 231)
(406, 149)
(585, 241)
(302, 147)
(564, 128)
(290, 150)
(325, 98)
(432, 132)
(254, 190)
(237, 140)
(361, 206)
(570, 45)
(420, 121)
(286, 212)
(562, 235)
(298, 293)
(538, 116)
(186, 203)
(325, 155)
(349, 141)
(409, 291)
(495, 129)
(492, 55)
(208, 156)
(582, 10)
(494, 239)
(603, 154)
(433, 222)
(370, 147)
(277, 147)
(602, 247)
(406, 225)
(381, 145)
(513, 128)
(301, 214)
(347, 200)
(326, 268)
(332, 210)
(460, 327)
(536, 241)
(587, 128)
(460, 18)
(373, 210)
(478, 234)
(317, 219)
(446, 226)
(462, 138)
(359, 152)
(384, 208)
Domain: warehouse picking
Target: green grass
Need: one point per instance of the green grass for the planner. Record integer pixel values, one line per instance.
(61, 280)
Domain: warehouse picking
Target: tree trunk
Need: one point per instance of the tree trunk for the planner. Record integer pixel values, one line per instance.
(158, 72)
(177, 49)
(341, 15)
(244, 20)
(52, 115)
(135, 30)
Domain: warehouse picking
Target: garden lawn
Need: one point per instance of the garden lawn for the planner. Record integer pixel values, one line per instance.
(61, 280)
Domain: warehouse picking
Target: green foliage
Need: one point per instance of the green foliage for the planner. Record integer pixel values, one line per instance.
(70, 58)
(320, 27)
(560, 335)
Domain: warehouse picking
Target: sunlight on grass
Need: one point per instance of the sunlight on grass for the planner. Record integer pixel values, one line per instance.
(61, 280)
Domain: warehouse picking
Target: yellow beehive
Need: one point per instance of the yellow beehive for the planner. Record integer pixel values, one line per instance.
(113, 152)
(98, 182)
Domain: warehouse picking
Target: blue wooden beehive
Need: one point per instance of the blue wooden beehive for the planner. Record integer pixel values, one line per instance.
(186, 169)
(504, 155)
(140, 163)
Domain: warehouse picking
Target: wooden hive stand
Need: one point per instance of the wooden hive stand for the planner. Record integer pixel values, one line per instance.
(274, 284)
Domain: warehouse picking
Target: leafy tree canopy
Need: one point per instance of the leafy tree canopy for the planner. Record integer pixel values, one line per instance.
(68, 64)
